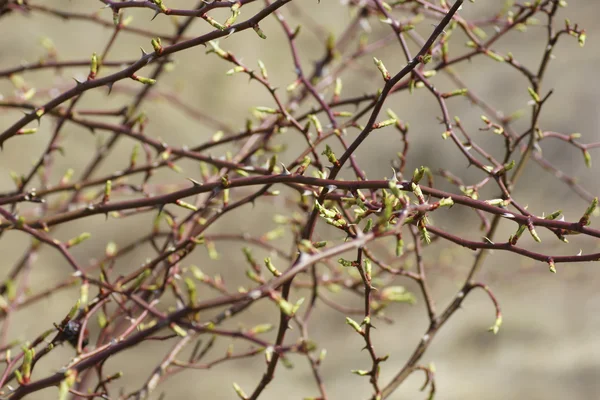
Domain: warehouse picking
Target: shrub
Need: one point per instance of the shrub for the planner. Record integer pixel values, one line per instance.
(278, 200)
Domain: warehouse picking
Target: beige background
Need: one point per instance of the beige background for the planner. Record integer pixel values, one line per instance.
(548, 346)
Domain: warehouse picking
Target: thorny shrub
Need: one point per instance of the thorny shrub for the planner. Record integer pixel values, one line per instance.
(165, 298)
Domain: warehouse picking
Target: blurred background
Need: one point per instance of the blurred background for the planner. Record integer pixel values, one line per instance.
(548, 346)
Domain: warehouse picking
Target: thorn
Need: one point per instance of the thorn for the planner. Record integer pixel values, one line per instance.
(231, 32)
(78, 82)
(110, 86)
(395, 174)
(194, 182)
(155, 15)
(144, 54)
(285, 170)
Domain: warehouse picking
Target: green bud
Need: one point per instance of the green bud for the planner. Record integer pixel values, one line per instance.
(192, 291)
(28, 131)
(217, 50)
(262, 328)
(587, 158)
(399, 247)
(178, 330)
(198, 274)
(156, 45)
(457, 92)
(235, 70)
(585, 219)
(107, 190)
(361, 372)
(581, 39)
(345, 263)
(554, 215)
(94, 65)
(239, 391)
(354, 325)
(267, 110)
(271, 267)
(494, 56)
(384, 72)
(534, 95)
(385, 123)
(214, 23)
(330, 155)
(398, 294)
(263, 69)
(145, 81)
(313, 118)
(368, 226)
(446, 202)
(418, 174)
(188, 206)
(66, 384)
(259, 31)
(368, 269)
(496, 327)
(337, 90)
(77, 240)
(235, 12)
(534, 235)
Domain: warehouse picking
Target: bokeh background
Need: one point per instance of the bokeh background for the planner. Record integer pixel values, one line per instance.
(548, 346)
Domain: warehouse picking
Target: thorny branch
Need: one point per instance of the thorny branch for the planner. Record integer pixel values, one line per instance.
(240, 167)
